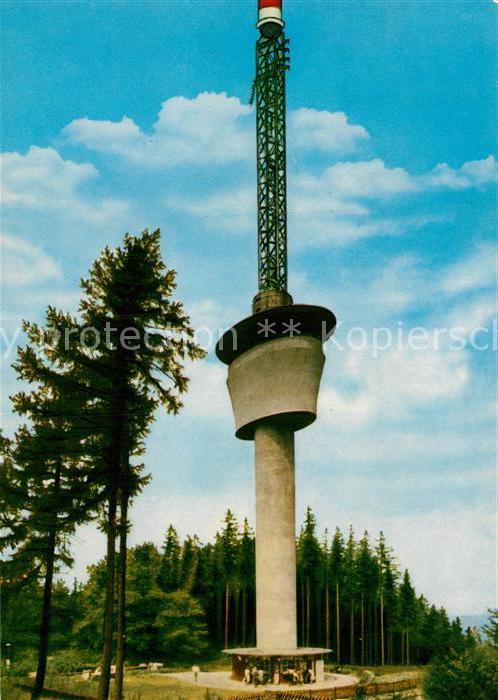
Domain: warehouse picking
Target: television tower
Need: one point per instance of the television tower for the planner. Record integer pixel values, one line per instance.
(275, 362)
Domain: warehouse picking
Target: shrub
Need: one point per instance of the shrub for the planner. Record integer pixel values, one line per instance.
(24, 663)
(70, 661)
(473, 674)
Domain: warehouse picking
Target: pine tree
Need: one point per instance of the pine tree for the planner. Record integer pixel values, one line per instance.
(391, 607)
(137, 341)
(145, 600)
(351, 588)
(367, 580)
(309, 562)
(490, 629)
(227, 548)
(246, 573)
(181, 628)
(188, 563)
(128, 293)
(47, 488)
(408, 615)
(169, 576)
(205, 588)
(336, 578)
(386, 585)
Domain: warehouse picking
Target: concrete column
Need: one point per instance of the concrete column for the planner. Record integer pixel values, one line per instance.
(276, 623)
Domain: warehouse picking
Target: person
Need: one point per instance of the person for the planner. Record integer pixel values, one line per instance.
(195, 671)
(247, 675)
(261, 676)
(311, 675)
(255, 675)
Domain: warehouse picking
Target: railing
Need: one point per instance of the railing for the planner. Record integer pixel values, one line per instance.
(345, 691)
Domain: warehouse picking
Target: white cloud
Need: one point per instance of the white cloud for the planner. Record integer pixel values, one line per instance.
(392, 384)
(211, 128)
(210, 319)
(463, 543)
(476, 271)
(208, 129)
(24, 263)
(231, 211)
(373, 179)
(42, 180)
(368, 179)
(472, 174)
(327, 209)
(207, 396)
(475, 314)
(324, 131)
(329, 230)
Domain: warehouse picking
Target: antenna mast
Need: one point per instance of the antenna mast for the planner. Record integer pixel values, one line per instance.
(272, 61)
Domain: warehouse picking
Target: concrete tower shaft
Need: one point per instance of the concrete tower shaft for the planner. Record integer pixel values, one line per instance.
(276, 538)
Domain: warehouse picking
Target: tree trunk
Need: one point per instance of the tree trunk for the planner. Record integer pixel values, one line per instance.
(47, 601)
(236, 625)
(227, 612)
(105, 666)
(362, 631)
(307, 612)
(351, 631)
(45, 620)
(117, 458)
(327, 616)
(244, 616)
(407, 648)
(382, 650)
(121, 594)
(303, 616)
(337, 623)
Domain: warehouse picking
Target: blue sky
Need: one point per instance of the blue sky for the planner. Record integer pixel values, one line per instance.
(125, 115)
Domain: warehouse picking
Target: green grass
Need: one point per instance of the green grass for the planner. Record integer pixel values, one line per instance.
(138, 686)
(142, 686)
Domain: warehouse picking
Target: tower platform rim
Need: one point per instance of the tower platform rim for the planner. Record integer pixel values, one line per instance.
(309, 320)
(297, 651)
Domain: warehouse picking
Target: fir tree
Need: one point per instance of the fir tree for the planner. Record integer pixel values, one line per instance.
(47, 490)
(336, 578)
(408, 615)
(188, 563)
(351, 588)
(490, 629)
(169, 576)
(245, 573)
(386, 588)
(226, 549)
(138, 341)
(309, 559)
(367, 581)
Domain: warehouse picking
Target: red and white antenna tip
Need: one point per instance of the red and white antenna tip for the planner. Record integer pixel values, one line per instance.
(270, 22)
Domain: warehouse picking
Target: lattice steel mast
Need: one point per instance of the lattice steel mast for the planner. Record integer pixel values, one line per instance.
(272, 61)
